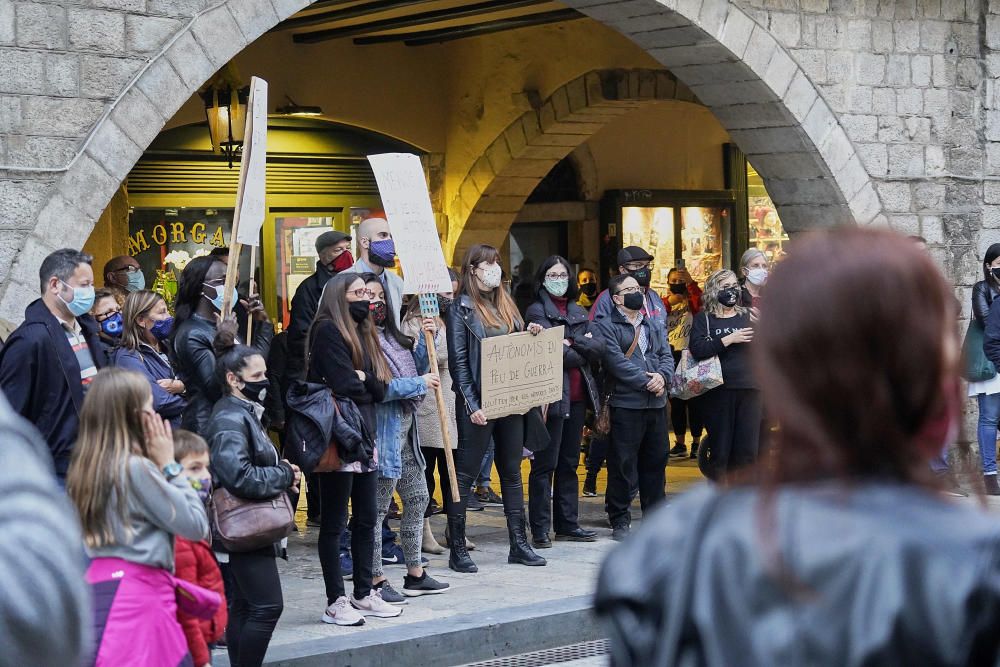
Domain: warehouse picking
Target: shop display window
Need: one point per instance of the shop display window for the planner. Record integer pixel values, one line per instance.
(702, 242)
(766, 231)
(652, 228)
(295, 240)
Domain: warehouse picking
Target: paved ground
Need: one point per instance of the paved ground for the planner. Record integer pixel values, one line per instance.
(571, 571)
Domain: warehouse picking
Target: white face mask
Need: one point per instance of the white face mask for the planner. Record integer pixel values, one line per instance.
(491, 276)
(757, 276)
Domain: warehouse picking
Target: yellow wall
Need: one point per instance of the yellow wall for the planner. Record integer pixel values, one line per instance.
(110, 236)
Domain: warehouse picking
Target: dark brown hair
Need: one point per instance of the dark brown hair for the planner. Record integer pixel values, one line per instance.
(856, 355)
(361, 339)
(499, 298)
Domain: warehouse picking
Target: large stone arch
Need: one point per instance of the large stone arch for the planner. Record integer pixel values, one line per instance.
(728, 60)
(499, 182)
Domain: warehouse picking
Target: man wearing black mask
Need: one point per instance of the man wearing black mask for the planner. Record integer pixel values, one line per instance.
(634, 261)
(334, 257)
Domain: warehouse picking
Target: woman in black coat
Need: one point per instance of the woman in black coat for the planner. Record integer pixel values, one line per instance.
(245, 463)
(558, 507)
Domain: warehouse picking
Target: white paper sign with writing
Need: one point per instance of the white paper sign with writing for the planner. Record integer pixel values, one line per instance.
(407, 206)
(521, 371)
(253, 168)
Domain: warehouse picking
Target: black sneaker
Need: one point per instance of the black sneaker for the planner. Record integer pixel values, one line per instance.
(619, 533)
(474, 505)
(488, 497)
(389, 594)
(694, 449)
(679, 451)
(425, 585)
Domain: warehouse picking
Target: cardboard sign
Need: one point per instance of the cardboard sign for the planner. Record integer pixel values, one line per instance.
(407, 206)
(253, 166)
(521, 371)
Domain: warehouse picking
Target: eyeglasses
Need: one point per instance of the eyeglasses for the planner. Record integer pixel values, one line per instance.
(557, 276)
(629, 290)
(362, 293)
(105, 315)
(128, 269)
(636, 266)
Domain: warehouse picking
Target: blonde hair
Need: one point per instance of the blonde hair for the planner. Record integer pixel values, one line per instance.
(498, 298)
(111, 431)
(137, 304)
(710, 299)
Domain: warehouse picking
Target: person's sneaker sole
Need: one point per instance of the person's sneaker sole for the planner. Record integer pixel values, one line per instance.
(589, 494)
(379, 614)
(574, 538)
(414, 593)
(330, 620)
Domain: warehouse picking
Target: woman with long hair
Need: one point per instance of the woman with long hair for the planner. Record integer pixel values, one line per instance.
(344, 354)
(684, 303)
(428, 421)
(143, 348)
(244, 462)
(197, 309)
(843, 550)
(401, 462)
(987, 392)
(553, 486)
(484, 309)
(732, 411)
(132, 500)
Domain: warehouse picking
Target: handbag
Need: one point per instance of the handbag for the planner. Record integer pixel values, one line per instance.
(694, 378)
(602, 425)
(246, 525)
(975, 366)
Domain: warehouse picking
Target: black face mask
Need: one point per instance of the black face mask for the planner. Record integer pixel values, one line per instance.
(642, 276)
(590, 289)
(678, 288)
(359, 310)
(444, 303)
(633, 301)
(729, 297)
(996, 274)
(255, 391)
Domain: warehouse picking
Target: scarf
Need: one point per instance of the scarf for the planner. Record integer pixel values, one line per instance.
(401, 364)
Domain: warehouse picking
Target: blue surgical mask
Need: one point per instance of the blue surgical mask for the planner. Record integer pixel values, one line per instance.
(219, 293)
(113, 326)
(136, 281)
(162, 329)
(82, 301)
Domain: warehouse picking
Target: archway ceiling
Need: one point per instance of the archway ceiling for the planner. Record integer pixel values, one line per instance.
(418, 22)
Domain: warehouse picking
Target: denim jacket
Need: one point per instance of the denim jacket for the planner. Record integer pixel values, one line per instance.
(389, 416)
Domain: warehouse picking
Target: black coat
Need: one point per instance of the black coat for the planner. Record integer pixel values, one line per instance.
(991, 337)
(627, 378)
(465, 342)
(304, 305)
(584, 353)
(983, 296)
(194, 361)
(243, 459)
(331, 364)
(40, 376)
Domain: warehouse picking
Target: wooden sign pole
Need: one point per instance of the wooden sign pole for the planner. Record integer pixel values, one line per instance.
(253, 291)
(429, 308)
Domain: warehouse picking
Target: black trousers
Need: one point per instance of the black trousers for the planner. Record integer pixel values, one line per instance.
(508, 437)
(684, 414)
(435, 458)
(254, 609)
(597, 454)
(733, 421)
(557, 463)
(336, 489)
(638, 450)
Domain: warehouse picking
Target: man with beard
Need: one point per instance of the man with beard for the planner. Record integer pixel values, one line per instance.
(334, 257)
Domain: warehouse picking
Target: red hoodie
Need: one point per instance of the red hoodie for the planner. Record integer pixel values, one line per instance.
(194, 562)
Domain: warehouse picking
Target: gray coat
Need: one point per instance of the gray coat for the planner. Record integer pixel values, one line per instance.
(428, 422)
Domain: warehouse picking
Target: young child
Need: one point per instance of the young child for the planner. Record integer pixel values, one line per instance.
(194, 560)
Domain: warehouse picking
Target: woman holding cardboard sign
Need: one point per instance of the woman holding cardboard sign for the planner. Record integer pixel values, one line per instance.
(483, 309)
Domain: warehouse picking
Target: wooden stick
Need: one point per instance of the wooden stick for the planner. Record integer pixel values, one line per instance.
(253, 291)
(443, 417)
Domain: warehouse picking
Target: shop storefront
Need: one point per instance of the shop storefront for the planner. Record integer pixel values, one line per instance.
(181, 199)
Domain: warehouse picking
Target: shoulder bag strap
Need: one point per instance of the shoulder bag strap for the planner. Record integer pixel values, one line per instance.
(635, 341)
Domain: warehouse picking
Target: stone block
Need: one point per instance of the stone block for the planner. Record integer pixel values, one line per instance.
(178, 8)
(993, 32)
(217, 33)
(123, 5)
(759, 50)
(962, 195)
(532, 129)
(839, 66)
(870, 69)
(819, 122)
(991, 217)
(40, 152)
(693, 75)
(931, 229)
(146, 34)
(138, 117)
(965, 36)
(829, 32)
(897, 72)
(920, 70)
(852, 177)
(639, 25)
(771, 140)
(786, 28)
(713, 15)
(789, 165)
(965, 160)
(700, 54)
(859, 100)
(934, 35)
(22, 72)
(944, 70)
(59, 116)
(254, 17)
(8, 34)
(882, 40)
(104, 76)
(918, 129)
(860, 128)
(672, 37)
(800, 96)
(164, 87)
(499, 156)
(40, 25)
(909, 101)
(16, 295)
(285, 8)
(859, 35)
(88, 186)
(993, 125)
(743, 116)
(905, 224)
(96, 30)
(803, 191)
(190, 61)
(865, 205)
(928, 196)
(514, 135)
(895, 196)
(58, 219)
(21, 201)
(114, 151)
(875, 158)
(62, 74)
(812, 62)
(891, 129)
(816, 6)
(991, 192)
(969, 72)
(10, 114)
(836, 150)
(906, 36)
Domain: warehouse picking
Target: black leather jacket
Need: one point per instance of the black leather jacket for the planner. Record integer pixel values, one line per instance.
(584, 354)
(983, 294)
(194, 362)
(465, 336)
(876, 574)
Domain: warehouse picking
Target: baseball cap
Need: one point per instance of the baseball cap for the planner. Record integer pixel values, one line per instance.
(327, 239)
(633, 253)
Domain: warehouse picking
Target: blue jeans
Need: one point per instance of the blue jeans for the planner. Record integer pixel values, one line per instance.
(989, 415)
(484, 473)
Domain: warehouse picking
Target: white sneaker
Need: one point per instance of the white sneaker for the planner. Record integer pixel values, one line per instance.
(374, 605)
(342, 613)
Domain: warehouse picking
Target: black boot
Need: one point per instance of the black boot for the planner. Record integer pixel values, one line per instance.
(520, 550)
(459, 559)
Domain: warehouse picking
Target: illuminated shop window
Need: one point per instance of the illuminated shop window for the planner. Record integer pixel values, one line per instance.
(766, 232)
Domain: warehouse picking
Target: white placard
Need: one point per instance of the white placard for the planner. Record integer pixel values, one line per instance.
(253, 167)
(407, 206)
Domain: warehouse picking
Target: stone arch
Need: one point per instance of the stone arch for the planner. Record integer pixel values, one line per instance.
(499, 182)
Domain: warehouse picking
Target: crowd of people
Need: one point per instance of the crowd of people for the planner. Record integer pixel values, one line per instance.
(152, 409)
